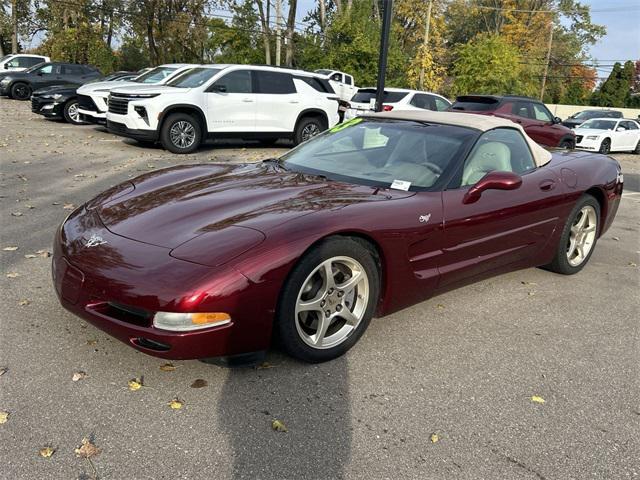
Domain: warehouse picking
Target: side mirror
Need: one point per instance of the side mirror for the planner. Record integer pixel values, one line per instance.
(621, 129)
(219, 88)
(495, 180)
(6, 67)
(556, 120)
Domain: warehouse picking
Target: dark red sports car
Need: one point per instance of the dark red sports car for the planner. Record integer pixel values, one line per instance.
(370, 217)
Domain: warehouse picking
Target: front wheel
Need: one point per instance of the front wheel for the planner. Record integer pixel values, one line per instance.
(328, 300)
(181, 133)
(579, 237)
(636, 150)
(21, 91)
(605, 146)
(71, 114)
(567, 144)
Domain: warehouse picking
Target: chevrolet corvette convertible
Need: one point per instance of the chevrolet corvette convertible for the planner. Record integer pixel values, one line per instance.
(370, 217)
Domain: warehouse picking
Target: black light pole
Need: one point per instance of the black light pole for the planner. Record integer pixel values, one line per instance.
(384, 47)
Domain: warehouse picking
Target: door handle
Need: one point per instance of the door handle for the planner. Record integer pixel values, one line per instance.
(547, 185)
(247, 100)
(294, 101)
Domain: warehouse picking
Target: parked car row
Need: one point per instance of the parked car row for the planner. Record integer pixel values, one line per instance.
(183, 105)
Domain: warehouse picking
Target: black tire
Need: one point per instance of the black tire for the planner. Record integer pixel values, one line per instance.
(71, 114)
(185, 123)
(560, 262)
(21, 91)
(636, 150)
(307, 128)
(567, 144)
(286, 323)
(605, 146)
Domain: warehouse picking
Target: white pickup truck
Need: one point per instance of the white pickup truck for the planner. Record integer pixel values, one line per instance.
(341, 82)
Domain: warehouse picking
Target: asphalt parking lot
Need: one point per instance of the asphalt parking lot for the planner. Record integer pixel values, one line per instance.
(442, 390)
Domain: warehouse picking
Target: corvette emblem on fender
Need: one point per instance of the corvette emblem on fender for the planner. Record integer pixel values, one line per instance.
(94, 241)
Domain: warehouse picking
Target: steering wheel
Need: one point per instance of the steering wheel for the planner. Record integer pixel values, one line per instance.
(433, 167)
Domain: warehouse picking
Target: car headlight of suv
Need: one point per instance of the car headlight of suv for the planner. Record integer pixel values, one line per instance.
(55, 96)
(592, 137)
(184, 322)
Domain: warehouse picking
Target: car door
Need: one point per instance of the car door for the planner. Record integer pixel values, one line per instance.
(626, 137)
(72, 74)
(634, 134)
(502, 227)
(231, 103)
(279, 104)
(46, 76)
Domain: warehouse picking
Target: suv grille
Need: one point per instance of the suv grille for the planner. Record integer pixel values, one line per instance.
(86, 103)
(118, 105)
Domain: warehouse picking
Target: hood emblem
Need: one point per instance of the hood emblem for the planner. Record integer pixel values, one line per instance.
(94, 241)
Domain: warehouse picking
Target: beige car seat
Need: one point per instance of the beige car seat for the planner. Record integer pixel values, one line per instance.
(488, 157)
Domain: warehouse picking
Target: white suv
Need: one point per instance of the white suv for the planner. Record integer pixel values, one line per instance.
(218, 101)
(92, 97)
(19, 62)
(395, 99)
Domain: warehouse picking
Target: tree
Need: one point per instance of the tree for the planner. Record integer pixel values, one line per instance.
(238, 42)
(616, 90)
(489, 64)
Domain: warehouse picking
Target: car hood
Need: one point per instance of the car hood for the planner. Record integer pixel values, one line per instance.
(150, 89)
(89, 88)
(591, 131)
(169, 207)
(61, 89)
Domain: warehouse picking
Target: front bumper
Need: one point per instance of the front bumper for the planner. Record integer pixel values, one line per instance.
(122, 130)
(47, 107)
(92, 110)
(118, 285)
(91, 116)
(586, 144)
(4, 90)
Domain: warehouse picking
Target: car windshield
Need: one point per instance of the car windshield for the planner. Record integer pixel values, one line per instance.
(193, 78)
(597, 124)
(365, 96)
(155, 75)
(383, 153)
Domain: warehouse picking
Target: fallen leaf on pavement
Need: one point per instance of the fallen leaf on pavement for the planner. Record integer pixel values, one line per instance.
(24, 302)
(168, 367)
(633, 264)
(43, 253)
(92, 342)
(278, 426)
(3, 417)
(13, 275)
(16, 214)
(78, 376)
(537, 399)
(440, 306)
(87, 449)
(176, 404)
(11, 248)
(135, 384)
(528, 283)
(46, 452)
(199, 383)
(30, 255)
(3, 370)
(531, 294)
(264, 365)
(617, 239)
(434, 437)
(69, 206)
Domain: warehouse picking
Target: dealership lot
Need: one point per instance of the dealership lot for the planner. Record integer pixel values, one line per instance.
(441, 390)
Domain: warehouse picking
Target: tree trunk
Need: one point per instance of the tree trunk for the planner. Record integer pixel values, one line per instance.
(110, 30)
(425, 43)
(278, 24)
(14, 22)
(266, 30)
(323, 15)
(291, 22)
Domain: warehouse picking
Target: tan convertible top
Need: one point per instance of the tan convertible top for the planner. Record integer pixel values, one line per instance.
(469, 120)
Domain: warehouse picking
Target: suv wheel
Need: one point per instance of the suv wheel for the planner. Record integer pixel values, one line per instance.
(21, 91)
(181, 133)
(605, 146)
(308, 128)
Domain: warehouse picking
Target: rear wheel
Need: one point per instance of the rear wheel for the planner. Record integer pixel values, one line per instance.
(21, 91)
(637, 149)
(71, 114)
(579, 237)
(605, 146)
(328, 300)
(181, 133)
(307, 128)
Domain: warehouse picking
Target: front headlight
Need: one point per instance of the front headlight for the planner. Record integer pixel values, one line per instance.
(592, 137)
(182, 322)
(55, 96)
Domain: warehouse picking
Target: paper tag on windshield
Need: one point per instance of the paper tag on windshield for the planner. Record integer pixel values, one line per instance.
(400, 185)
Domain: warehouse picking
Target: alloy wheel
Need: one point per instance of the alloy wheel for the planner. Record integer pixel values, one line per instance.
(22, 92)
(582, 236)
(182, 134)
(332, 302)
(73, 112)
(310, 131)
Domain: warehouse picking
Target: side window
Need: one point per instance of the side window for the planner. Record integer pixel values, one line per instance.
(541, 113)
(238, 81)
(46, 69)
(274, 82)
(441, 105)
(348, 79)
(632, 125)
(501, 149)
(31, 61)
(423, 101)
(521, 109)
(624, 125)
(72, 70)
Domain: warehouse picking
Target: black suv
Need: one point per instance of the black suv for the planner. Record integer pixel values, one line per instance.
(20, 85)
(579, 118)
